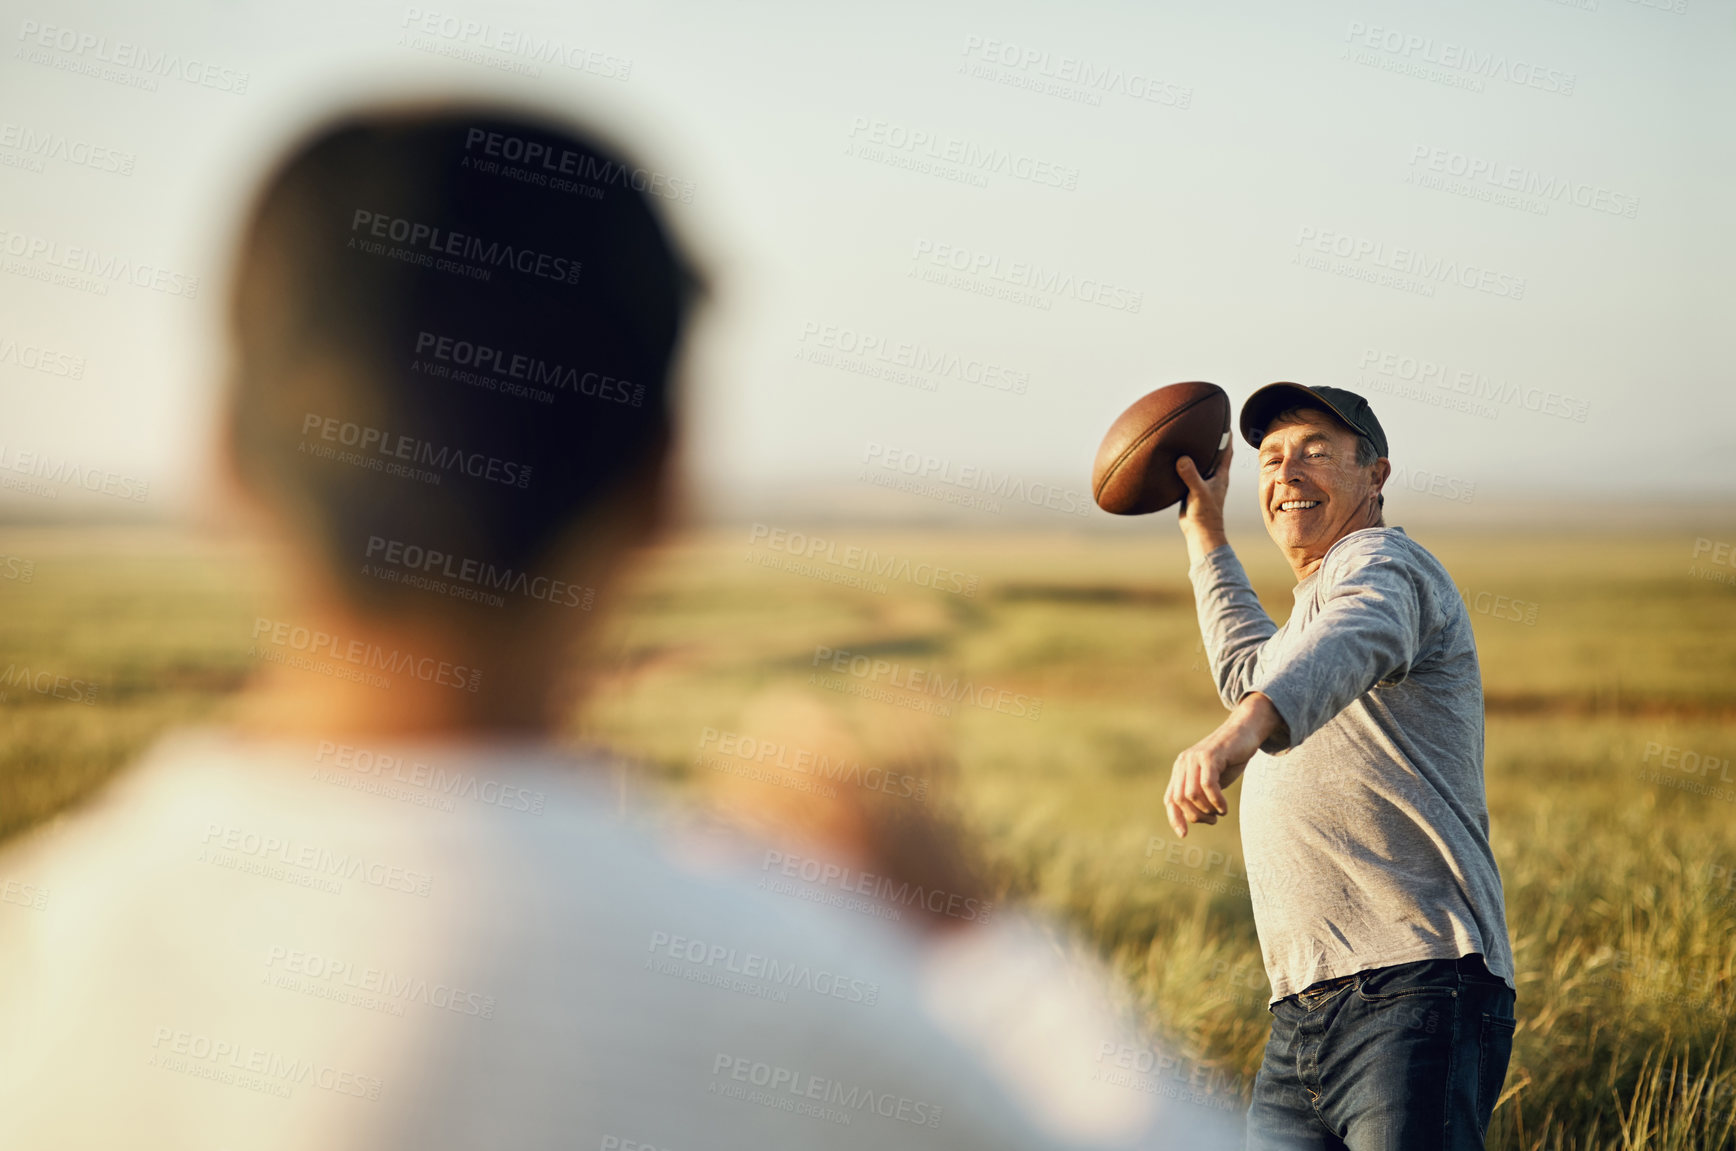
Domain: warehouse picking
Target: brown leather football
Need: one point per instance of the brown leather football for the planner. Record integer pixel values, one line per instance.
(1134, 474)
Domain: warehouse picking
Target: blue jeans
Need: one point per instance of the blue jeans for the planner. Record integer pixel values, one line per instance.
(1405, 1058)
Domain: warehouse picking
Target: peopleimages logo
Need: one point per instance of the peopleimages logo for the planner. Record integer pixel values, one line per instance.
(1472, 383)
(24, 894)
(804, 551)
(790, 1090)
(1412, 262)
(805, 761)
(88, 269)
(514, 45)
(37, 145)
(441, 242)
(1503, 177)
(1711, 558)
(253, 1068)
(482, 575)
(37, 358)
(361, 654)
(545, 164)
(928, 681)
(1070, 77)
(340, 975)
(376, 448)
(1419, 54)
(388, 768)
(1162, 1073)
(887, 142)
(837, 345)
(82, 51)
(48, 683)
(972, 477)
(41, 466)
(516, 366)
(882, 887)
(1019, 280)
(1687, 760)
(1501, 606)
(313, 859)
(1437, 484)
(790, 976)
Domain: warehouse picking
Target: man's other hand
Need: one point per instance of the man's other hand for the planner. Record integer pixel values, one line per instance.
(1202, 509)
(1196, 784)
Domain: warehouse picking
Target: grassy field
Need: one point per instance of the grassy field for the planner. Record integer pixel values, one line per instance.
(1608, 665)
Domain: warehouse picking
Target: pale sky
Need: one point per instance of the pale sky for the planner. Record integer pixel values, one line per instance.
(1297, 182)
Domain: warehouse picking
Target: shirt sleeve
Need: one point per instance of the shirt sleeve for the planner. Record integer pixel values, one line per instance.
(1367, 631)
(1233, 625)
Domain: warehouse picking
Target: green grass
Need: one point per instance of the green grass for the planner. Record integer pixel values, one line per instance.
(1622, 921)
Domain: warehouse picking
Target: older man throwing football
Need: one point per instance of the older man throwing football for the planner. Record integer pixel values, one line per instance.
(1359, 725)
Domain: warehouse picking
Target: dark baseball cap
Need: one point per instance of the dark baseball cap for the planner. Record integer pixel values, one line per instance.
(1349, 407)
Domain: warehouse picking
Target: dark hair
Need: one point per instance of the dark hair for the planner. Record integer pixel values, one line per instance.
(1366, 452)
(454, 330)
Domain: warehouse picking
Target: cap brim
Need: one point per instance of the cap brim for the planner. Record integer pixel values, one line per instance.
(1257, 413)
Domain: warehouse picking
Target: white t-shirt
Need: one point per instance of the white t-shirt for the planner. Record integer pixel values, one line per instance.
(241, 946)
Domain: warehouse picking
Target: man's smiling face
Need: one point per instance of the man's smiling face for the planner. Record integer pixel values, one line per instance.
(1312, 493)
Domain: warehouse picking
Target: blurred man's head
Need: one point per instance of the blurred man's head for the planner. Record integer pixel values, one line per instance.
(1320, 474)
(453, 336)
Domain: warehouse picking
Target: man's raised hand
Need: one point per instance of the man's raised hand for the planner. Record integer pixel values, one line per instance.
(1202, 509)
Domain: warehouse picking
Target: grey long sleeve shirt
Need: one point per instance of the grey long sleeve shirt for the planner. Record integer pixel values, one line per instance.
(1366, 839)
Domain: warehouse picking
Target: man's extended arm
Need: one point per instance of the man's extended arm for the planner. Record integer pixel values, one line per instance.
(1233, 625)
(1367, 631)
(1196, 783)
